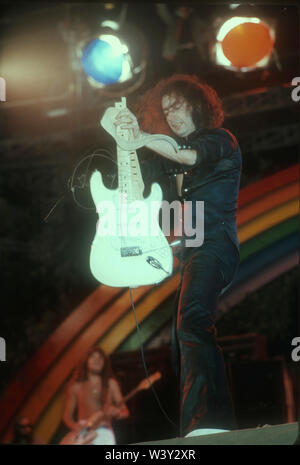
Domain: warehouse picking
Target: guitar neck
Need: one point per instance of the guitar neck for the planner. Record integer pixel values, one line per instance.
(129, 173)
(150, 382)
(130, 394)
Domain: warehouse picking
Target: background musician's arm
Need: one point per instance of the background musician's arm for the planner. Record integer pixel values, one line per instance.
(119, 409)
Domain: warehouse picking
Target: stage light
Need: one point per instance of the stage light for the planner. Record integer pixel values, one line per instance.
(109, 6)
(111, 24)
(114, 60)
(244, 43)
(106, 60)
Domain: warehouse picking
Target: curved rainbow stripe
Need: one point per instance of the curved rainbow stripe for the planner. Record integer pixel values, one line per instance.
(267, 229)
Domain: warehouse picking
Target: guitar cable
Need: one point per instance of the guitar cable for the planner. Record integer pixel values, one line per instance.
(83, 183)
(145, 366)
(156, 264)
(82, 180)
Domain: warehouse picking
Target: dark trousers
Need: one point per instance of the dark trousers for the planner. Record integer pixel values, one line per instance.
(205, 400)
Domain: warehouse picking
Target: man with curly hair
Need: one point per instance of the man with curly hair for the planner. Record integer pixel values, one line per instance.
(206, 168)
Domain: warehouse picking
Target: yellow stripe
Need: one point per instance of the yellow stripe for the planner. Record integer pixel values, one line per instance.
(125, 325)
(51, 418)
(267, 220)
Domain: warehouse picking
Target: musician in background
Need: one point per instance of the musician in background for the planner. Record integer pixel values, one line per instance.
(96, 395)
(206, 168)
(23, 432)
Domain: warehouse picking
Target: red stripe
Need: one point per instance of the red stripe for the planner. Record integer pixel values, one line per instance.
(265, 185)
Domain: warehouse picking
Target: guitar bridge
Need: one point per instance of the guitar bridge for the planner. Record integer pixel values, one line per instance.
(131, 251)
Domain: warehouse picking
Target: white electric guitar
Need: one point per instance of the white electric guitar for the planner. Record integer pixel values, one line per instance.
(129, 248)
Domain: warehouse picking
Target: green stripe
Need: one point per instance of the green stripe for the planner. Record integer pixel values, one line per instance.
(268, 237)
(162, 314)
(150, 326)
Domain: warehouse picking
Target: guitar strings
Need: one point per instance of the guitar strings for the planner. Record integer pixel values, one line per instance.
(145, 366)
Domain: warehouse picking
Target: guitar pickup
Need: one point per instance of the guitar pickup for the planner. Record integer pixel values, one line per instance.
(131, 251)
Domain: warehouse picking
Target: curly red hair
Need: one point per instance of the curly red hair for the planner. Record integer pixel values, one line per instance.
(207, 108)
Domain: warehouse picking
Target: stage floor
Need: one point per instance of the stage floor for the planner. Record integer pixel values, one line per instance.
(285, 434)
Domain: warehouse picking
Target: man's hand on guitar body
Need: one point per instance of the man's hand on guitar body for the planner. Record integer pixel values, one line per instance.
(96, 419)
(79, 426)
(102, 416)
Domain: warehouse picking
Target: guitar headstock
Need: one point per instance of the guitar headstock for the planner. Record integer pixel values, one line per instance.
(145, 384)
(121, 104)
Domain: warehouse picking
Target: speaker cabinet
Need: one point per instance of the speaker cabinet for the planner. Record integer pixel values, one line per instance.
(261, 392)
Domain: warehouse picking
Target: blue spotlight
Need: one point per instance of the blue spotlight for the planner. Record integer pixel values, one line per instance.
(105, 60)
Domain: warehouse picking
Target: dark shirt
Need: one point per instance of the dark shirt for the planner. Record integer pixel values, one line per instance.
(214, 179)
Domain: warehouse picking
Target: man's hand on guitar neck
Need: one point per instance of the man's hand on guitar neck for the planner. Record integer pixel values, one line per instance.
(126, 120)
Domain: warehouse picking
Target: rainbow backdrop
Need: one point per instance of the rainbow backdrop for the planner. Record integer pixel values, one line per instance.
(268, 234)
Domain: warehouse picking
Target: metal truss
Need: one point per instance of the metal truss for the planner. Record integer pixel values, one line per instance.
(271, 138)
(259, 100)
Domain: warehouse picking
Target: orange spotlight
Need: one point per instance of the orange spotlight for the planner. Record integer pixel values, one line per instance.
(244, 43)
